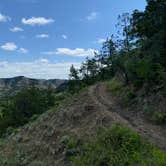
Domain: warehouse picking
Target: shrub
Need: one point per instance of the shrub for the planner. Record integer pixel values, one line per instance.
(148, 109)
(59, 97)
(3, 161)
(114, 85)
(71, 144)
(159, 117)
(117, 146)
(130, 95)
(127, 97)
(162, 76)
(138, 83)
(144, 68)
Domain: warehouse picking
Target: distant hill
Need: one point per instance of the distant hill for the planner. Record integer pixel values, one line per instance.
(10, 86)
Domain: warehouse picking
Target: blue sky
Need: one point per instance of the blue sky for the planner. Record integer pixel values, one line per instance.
(42, 38)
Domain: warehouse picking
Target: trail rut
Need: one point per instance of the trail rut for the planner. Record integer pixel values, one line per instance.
(103, 99)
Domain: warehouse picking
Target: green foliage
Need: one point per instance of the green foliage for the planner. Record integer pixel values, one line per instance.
(117, 146)
(138, 54)
(114, 85)
(18, 159)
(70, 144)
(3, 161)
(59, 98)
(157, 116)
(41, 163)
(162, 76)
(22, 107)
(130, 95)
(73, 73)
(75, 86)
(127, 97)
(143, 69)
(148, 109)
(34, 117)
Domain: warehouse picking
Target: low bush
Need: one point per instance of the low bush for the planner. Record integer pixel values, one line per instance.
(116, 146)
(114, 85)
(156, 116)
(127, 97)
(159, 117)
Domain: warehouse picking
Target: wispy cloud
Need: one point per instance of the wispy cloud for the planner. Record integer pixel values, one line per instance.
(3, 64)
(64, 36)
(23, 50)
(77, 52)
(16, 29)
(43, 60)
(4, 18)
(37, 21)
(40, 69)
(10, 46)
(101, 40)
(42, 36)
(92, 16)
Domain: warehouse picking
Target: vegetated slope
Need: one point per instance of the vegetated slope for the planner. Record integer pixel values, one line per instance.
(9, 86)
(135, 119)
(41, 141)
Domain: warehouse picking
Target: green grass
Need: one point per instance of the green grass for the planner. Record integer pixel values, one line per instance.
(156, 116)
(118, 146)
(116, 88)
(114, 85)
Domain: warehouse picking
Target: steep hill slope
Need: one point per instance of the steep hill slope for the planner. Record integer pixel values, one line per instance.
(82, 116)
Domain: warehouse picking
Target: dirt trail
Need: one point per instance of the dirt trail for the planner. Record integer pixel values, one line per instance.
(102, 98)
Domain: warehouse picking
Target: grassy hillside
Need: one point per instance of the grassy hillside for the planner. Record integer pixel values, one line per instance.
(79, 129)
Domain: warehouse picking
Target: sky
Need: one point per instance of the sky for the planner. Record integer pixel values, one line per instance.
(43, 38)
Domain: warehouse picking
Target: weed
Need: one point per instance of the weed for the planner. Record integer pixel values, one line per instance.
(116, 146)
(114, 85)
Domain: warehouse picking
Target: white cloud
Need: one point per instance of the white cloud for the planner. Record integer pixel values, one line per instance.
(101, 40)
(64, 36)
(3, 64)
(92, 16)
(16, 29)
(37, 69)
(49, 53)
(42, 36)
(75, 52)
(23, 50)
(43, 60)
(4, 18)
(10, 46)
(37, 21)
(78, 52)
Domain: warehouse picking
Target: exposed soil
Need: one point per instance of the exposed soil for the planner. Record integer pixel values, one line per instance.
(135, 120)
(94, 107)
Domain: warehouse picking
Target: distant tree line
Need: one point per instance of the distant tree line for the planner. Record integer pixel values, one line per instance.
(137, 53)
